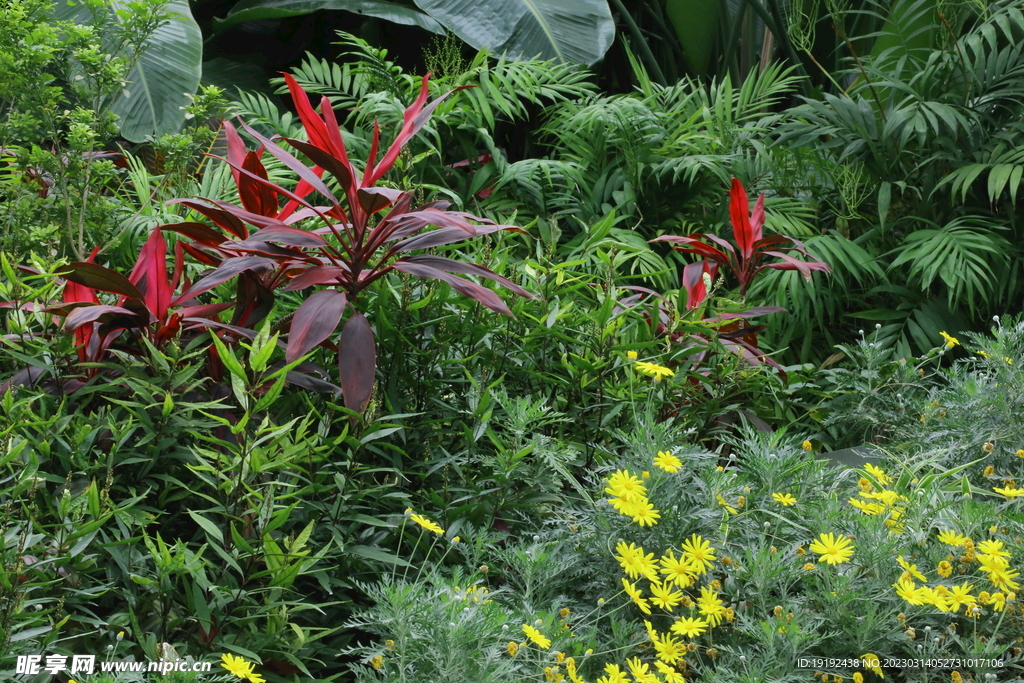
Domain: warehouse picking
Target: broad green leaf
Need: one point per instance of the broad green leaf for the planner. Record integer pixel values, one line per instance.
(208, 526)
(160, 84)
(377, 554)
(573, 31)
(251, 10)
(695, 23)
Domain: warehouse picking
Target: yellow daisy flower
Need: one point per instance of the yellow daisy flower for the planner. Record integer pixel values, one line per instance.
(832, 549)
(535, 636)
(427, 524)
(668, 462)
(784, 499)
(654, 370)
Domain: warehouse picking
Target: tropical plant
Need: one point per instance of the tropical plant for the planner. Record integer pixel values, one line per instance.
(354, 247)
(918, 186)
(753, 246)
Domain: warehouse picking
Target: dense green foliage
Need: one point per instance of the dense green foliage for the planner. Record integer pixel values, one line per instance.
(181, 477)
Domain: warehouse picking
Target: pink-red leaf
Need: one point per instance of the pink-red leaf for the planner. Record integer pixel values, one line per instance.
(373, 199)
(224, 219)
(436, 238)
(316, 131)
(98, 277)
(314, 321)
(225, 271)
(150, 274)
(693, 281)
(414, 119)
(319, 275)
(470, 289)
(200, 232)
(294, 164)
(453, 266)
(357, 362)
(739, 213)
(256, 197)
(87, 314)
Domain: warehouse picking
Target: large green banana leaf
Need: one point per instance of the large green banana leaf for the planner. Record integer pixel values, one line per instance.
(159, 85)
(575, 31)
(250, 10)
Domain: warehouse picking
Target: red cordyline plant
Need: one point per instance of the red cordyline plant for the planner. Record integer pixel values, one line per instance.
(142, 311)
(359, 236)
(745, 261)
(753, 249)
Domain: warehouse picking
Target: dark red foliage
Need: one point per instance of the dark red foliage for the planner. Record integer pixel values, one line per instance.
(354, 240)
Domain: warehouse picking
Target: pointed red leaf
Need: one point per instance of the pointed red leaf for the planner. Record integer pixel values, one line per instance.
(292, 237)
(225, 271)
(316, 131)
(373, 199)
(693, 281)
(452, 266)
(319, 275)
(223, 219)
(757, 218)
(739, 213)
(436, 238)
(256, 197)
(357, 362)
(415, 117)
(200, 232)
(150, 274)
(98, 277)
(289, 160)
(314, 321)
(236, 147)
(465, 287)
(87, 314)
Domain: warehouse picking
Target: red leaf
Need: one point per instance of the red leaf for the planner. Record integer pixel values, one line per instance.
(223, 219)
(314, 321)
(373, 199)
(292, 237)
(204, 310)
(452, 266)
(224, 272)
(415, 117)
(436, 238)
(200, 232)
(319, 275)
(87, 314)
(470, 289)
(341, 170)
(98, 277)
(256, 197)
(207, 322)
(693, 281)
(294, 164)
(694, 246)
(316, 131)
(357, 362)
(739, 212)
(302, 190)
(150, 274)
(236, 147)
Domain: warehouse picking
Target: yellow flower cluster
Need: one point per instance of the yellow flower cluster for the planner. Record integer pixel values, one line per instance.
(882, 502)
(629, 497)
(994, 561)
